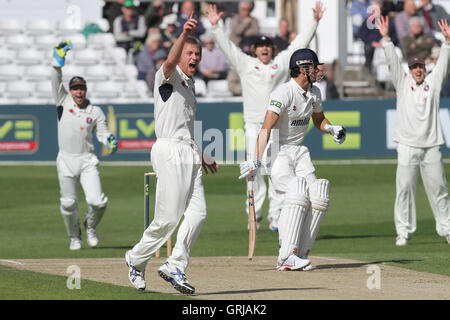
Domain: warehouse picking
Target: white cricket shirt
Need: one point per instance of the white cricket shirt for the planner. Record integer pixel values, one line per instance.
(75, 125)
(175, 105)
(258, 80)
(417, 120)
(294, 110)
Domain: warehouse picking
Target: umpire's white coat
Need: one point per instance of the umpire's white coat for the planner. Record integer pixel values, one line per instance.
(419, 134)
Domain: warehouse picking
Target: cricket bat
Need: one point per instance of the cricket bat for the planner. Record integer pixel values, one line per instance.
(251, 219)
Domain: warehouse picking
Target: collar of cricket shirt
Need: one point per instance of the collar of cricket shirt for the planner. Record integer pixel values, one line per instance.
(302, 91)
(183, 75)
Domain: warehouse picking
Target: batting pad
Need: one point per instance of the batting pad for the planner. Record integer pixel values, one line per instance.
(294, 208)
(319, 194)
(94, 215)
(71, 222)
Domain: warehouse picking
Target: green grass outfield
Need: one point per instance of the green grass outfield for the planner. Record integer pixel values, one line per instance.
(359, 225)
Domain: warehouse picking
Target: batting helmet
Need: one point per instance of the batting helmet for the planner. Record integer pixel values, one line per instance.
(303, 57)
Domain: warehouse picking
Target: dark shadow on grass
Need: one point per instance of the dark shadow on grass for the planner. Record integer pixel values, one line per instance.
(114, 247)
(334, 237)
(258, 291)
(361, 264)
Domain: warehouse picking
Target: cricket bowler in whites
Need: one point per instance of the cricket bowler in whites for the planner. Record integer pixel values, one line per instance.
(305, 198)
(177, 161)
(77, 120)
(419, 136)
(260, 74)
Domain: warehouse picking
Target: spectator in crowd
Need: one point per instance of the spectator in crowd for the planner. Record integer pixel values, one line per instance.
(432, 13)
(159, 58)
(359, 12)
(169, 27)
(371, 37)
(100, 26)
(243, 25)
(154, 14)
(327, 87)
(144, 60)
(129, 27)
(111, 11)
(186, 8)
(402, 19)
(282, 39)
(417, 43)
(213, 65)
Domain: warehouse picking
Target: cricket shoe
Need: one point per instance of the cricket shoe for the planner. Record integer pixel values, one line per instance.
(176, 277)
(309, 267)
(75, 243)
(292, 263)
(401, 241)
(92, 238)
(136, 276)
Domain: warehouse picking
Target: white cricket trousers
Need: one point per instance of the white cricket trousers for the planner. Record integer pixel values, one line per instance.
(429, 162)
(83, 167)
(179, 191)
(259, 185)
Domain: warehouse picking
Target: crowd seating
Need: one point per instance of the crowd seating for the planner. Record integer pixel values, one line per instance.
(25, 64)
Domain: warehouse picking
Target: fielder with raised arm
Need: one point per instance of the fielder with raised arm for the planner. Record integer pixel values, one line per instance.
(260, 74)
(419, 136)
(178, 162)
(77, 120)
(305, 198)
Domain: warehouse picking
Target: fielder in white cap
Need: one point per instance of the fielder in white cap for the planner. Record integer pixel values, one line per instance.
(76, 161)
(305, 198)
(419, 136)
(178, 162)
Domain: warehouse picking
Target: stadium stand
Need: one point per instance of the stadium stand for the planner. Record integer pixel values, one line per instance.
(25, 63)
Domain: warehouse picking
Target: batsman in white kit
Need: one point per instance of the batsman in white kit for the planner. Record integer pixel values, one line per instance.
(305, 199)
(260, 73)
(178, 162)
(419, 136)
(77, 120)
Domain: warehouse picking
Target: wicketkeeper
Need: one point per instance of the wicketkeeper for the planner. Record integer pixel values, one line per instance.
(305, 199)
(419, 136)
(76, 161)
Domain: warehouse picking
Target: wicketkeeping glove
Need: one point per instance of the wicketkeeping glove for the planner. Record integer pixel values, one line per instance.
(60, 51)
(338, 133)
(249, 168)
(112, 143)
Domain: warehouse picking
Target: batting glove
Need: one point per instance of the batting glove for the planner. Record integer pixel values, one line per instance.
(60, 51)
(249, 168)
(338, 133)
(112, 143)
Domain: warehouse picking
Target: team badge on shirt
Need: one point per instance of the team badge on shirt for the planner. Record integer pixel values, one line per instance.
(89, 120)
(294, 108)
(275, 66)
(427, 87)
